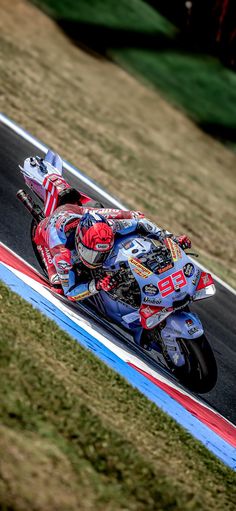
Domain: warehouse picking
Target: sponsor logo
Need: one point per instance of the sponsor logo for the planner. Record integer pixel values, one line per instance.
(81, 295)
(70, 226)
(166, 268)
(193, 330)
(150, 290)
(148, 310)
(154, 301)
(106, 211)
(64, 280)
(141, 270)
(205, 279)
(141, 273)
(188, 270)
(174, 248)
(102, 245)
(128, 245)
(194, 281)
(189, 322)
(49, 258)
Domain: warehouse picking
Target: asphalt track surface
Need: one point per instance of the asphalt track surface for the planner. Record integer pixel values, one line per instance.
(217, 314)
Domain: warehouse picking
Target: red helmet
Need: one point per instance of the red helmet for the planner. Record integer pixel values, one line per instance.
(94, 239)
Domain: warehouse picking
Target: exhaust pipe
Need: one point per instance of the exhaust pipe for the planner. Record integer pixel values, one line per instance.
(34, 209)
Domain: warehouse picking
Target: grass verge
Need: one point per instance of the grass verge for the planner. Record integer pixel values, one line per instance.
(137, 37)
(69, 441)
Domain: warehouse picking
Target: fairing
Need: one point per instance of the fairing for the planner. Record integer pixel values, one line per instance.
(164, 295)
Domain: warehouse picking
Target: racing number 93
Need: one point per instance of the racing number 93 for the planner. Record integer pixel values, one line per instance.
(171, 283)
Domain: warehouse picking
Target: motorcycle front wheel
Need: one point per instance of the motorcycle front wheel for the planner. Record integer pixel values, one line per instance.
(199, 373)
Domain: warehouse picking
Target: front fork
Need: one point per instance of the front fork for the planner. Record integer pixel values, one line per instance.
(180, 324)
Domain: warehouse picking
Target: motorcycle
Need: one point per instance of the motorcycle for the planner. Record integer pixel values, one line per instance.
(156, 283)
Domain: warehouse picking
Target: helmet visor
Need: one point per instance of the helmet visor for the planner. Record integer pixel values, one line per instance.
(92, 257)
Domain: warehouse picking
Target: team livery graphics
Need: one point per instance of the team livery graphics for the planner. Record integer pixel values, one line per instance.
(174, 248)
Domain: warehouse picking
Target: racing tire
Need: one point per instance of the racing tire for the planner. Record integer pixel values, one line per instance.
(199, 373)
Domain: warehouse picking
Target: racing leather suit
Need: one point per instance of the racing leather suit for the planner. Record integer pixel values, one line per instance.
(55, 239)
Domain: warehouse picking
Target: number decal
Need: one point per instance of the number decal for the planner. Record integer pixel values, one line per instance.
(179, 278)
(167, 286)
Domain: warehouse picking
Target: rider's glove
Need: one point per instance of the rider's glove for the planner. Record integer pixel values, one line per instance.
(184, 241)
(107, 283)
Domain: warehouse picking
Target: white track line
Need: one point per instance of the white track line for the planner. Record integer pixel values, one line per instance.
(77, 173)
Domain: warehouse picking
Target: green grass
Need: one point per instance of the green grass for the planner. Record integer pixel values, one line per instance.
(126, 14)
(198, 84)
(74, 435)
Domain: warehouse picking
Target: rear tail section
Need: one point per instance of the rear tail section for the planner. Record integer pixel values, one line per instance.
(55, 160)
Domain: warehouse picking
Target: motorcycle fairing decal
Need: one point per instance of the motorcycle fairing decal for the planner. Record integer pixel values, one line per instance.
(205, 280)
(138, 268)
(215, 432)
(166, 268)
(151, 315)
(174, 248)
(205, 287)
(172, 283)
(150, 290)
(80, 296)
(188, 270)
(128, 245)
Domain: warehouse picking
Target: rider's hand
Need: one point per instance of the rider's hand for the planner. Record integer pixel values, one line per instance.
(107, 283)
(184, 241)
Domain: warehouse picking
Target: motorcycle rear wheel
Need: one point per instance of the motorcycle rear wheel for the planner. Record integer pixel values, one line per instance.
(199, 373)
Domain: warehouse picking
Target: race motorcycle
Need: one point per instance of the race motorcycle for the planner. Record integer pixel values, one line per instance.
(156, 282)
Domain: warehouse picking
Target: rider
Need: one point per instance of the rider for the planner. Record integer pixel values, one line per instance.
(75, 239)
